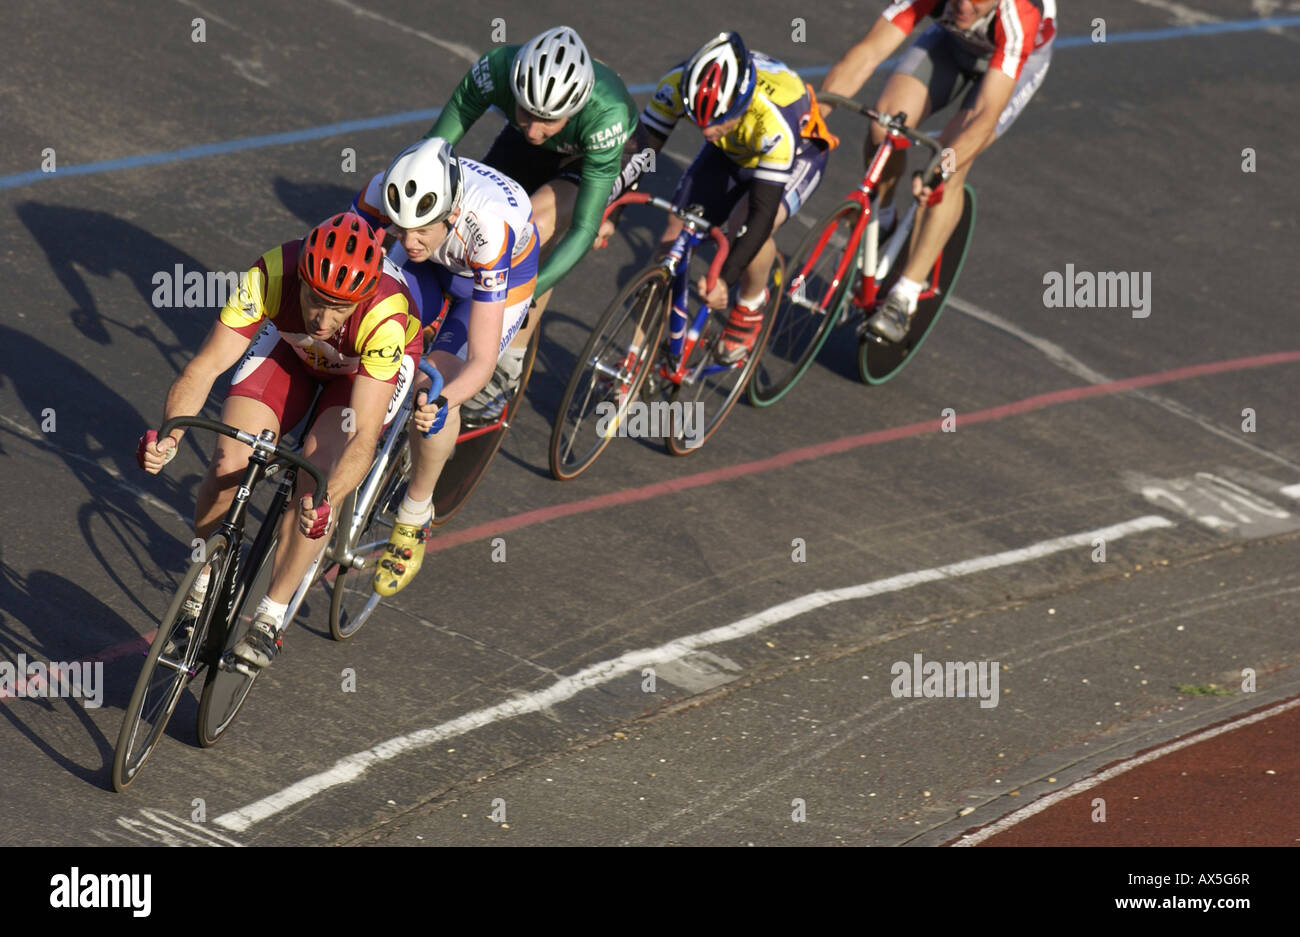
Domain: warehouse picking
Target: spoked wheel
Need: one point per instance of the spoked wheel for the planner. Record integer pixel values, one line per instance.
(808, 307)
(173, 660)
(226, 688)
(476, 446)
(709, 389)
(879, 359)
(609, 373)
(353, 590)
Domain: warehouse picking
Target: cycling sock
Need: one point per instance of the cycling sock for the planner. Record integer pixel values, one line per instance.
(515, 365)
(908, 290)
(415, 513)
(200, 587)
(753, 303)
(275, 609)
(885, 217)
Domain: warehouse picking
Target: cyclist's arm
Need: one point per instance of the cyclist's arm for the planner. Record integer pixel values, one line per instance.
(849, 74)
(369, 403)
(221, 349)
(764, 202)
(593, 195)
(990, 101)
(637, 158)
(368, 203)
(481, 353)
(477, 91)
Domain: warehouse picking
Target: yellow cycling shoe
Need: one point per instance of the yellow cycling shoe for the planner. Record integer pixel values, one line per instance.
(402, 557)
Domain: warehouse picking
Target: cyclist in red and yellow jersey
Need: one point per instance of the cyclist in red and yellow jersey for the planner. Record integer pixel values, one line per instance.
(326, 311)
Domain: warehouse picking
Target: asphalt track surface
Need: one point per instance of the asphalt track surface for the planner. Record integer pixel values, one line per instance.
(506, 702)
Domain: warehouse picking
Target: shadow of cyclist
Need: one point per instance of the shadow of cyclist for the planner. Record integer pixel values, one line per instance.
(46, 618)
(312, 202)
(78, 242)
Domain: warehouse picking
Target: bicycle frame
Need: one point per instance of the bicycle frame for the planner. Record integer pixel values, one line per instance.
(683, 330)
(871, 264)
(260, 467)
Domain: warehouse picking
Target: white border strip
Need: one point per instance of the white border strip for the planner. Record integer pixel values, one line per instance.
(1038, 806)
(353, 766)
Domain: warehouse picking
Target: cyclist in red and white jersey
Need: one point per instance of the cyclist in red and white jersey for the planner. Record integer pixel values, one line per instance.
(469, 251)
(325, 311)
(993, 54)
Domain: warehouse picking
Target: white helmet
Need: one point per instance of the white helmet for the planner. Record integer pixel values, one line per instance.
(423, 185)
(552, 75)
(718, 80)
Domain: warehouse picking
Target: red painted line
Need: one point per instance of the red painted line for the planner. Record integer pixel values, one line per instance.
(803, 454)
(846, 444)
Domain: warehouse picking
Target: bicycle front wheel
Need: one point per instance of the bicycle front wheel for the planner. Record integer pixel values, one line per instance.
(709, 389)
(609, 373)
(806, 309)
(226, 688)
(173, 660)
(352, 590)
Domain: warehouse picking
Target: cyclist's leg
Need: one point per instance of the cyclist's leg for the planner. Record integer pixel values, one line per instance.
(551, 181)
(805, 177)
(935, 223)
(330, 434)
(266, 391)
(925, 80)
(552, 214)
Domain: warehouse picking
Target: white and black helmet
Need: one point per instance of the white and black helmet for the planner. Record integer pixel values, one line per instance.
(423, 185)
(552, 75)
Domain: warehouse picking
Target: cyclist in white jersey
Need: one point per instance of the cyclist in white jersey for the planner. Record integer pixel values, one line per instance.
(469, 252)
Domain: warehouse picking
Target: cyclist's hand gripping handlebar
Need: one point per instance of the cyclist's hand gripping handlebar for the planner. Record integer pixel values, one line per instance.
(719, 238)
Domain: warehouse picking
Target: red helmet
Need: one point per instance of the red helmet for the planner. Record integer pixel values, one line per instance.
(341, 258)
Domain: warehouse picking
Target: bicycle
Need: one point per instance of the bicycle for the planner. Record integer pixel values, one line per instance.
(187, 645)
(370, 512)
(839, 273)
(625, 362)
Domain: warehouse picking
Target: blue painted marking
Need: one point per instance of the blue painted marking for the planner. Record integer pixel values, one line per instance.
(410, 117)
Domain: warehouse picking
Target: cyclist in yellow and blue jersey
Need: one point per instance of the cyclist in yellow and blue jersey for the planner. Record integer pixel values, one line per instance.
(765, 149)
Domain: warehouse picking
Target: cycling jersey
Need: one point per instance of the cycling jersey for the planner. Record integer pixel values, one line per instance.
(371, 342)
(774, 129)
(491, 238)
(595, 134)
(1006, 35)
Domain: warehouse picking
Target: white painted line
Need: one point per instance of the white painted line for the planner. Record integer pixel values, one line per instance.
(352, 767)
(455, 48)
(1291, 491)
(1079, 787)
(1183, 15)
(40, 439)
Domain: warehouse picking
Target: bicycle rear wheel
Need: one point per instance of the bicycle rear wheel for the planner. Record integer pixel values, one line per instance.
(808, 307)
(610, 371)
(710, 389)
(476, 447)
(353, 583)
(173, 660)
(878, 359)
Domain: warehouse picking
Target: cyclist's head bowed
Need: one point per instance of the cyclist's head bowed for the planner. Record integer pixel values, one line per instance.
(718, 81)
(341, 259)
(424, 184)
(552, 75)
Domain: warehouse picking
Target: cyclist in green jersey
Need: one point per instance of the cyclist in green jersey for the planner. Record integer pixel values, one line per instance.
(569, 120)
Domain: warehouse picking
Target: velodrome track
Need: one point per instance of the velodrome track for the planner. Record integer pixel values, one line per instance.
(520, 686)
